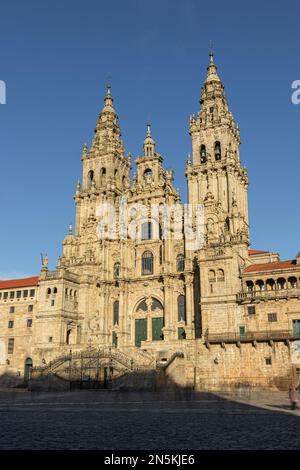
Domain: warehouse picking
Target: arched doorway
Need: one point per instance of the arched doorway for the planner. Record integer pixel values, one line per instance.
(27, 368)
(149, 321)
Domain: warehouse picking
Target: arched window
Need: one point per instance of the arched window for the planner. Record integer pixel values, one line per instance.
(211, 275)
(260, 285)
(90, 178)
(124, 181)
(220, 275)
(292, 282)
(147, 231)
(156, 304)
(217, 151)
(116, 312)
(281, 283)
(147, 263)
(203, 154)
(181, 308)
(55, 290)
(66, 292)
(142, 306)
(180, 263)
(102, 176)
(148, 173)
(68, 336)
(48, 292)
(250, 286)
(270, 284)
(117, 270)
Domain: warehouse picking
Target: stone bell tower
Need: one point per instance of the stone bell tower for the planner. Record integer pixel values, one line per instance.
(215, 176)
(105, 168)
(217, 180)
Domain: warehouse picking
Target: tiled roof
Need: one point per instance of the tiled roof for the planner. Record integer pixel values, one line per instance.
(27, 282)
(256, 252)
(274, 266)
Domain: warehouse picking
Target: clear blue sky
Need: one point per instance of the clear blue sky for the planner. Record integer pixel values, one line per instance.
(55, 57)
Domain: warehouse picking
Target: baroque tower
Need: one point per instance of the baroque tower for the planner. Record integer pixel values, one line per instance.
(217, 180)
(215, 177)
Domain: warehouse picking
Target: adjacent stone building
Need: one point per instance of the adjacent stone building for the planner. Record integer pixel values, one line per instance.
(124, 301)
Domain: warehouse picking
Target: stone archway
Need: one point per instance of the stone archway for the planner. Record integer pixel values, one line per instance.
(149, 321)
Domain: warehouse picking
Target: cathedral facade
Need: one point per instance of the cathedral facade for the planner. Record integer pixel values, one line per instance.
(134, 296)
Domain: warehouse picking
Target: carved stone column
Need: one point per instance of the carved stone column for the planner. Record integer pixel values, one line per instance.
(189, 298)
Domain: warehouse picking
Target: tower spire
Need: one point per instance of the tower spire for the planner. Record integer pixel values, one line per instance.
(149, 143)
(108, 101)
(212, 69)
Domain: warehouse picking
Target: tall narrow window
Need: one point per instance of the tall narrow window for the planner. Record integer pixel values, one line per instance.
(160, 255)
(116, 312)
(11, 343)
(181, 308)
(203, 154)
(117, 270)
(180, 263)
(147, 263)
(147, 231)
(102, 176)
(90, 178)
(217, 151)
(68, 336)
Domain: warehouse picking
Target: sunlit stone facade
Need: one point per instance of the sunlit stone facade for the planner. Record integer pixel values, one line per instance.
(216, 315)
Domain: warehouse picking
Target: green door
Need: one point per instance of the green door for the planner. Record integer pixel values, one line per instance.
(296, 327)
(140, 331)
(157, 326)
(242, 332)
(27, 367)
